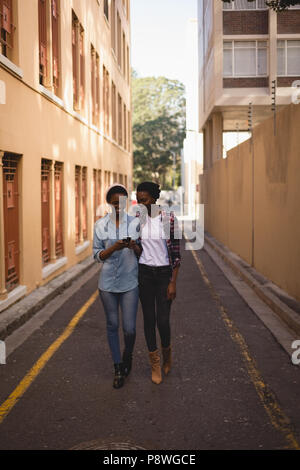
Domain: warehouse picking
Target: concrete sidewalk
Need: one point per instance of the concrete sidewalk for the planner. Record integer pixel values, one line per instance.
(285, 306)
(20, 312)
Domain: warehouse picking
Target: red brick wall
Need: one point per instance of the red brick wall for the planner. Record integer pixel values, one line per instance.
(286, 81)
(252, 82)
(288, 22)
(245, 22)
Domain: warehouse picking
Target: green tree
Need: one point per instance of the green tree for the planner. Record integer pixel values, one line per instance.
(158, 127)
(277, 5)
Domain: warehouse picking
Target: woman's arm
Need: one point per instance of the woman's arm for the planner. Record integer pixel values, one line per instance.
(171, 293)
(119, 245)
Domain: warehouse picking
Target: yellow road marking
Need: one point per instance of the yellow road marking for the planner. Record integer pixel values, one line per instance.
(19, 391)
(277, 416)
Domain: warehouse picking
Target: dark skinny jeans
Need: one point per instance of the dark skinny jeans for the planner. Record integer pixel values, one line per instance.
(153, 285)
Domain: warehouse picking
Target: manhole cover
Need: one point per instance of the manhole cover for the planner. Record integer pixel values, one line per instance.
(108, 445)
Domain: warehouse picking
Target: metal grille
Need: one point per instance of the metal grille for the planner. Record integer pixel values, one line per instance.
(120, 129)
(45, 197)
(97, 192)
(11, 220)
(113, 104)
(95, 85)
(74, 61)
(125, 129)
(7, 27)
(106, 100)
(55, 43)
(59, 247)
(82, 67)
(84, 202)
(77, 204)
(42, 41)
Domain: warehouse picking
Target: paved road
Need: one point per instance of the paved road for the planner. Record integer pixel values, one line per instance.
(232, 385)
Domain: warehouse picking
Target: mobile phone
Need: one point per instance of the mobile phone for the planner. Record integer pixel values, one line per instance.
(127, 240)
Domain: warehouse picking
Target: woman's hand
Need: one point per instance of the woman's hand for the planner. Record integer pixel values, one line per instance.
(171, 292)
(120, 245)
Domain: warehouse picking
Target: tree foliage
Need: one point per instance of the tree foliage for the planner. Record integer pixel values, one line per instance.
(158, 126)
(277, 5)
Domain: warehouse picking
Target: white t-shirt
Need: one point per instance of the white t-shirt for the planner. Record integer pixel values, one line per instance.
(155, 251)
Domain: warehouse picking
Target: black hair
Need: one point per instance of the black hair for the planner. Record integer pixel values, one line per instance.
(116, 190)
(151, 188)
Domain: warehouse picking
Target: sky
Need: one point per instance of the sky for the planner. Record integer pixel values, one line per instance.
(158, 36)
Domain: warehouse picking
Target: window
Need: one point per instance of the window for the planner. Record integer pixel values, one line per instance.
(58, 188)
(55, 44)
(78, 64)
(288, 58)
(7, 28)
(113, 25)
(245, 5)
(124, 54)
(96, 193)
(120, 124)
(129, 130)
(95, 86)
(119, 38)
(245, 59)
(105, 7)
(113, 114)
(49, 72)
(43, 41)
(46, 202)
(125, 127)
(128, 65)
(80, 204)
(10, 174)
(46, 193)
(106, 100)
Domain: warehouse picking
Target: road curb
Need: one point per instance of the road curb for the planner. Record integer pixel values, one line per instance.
(19, 313)
(262, 286)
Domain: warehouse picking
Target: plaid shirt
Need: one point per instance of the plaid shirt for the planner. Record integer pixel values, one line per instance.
(171, 231)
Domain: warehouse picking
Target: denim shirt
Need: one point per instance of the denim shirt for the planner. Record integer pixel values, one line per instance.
(120, 270)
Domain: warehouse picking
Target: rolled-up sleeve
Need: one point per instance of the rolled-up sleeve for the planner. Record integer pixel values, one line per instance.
(98, 244)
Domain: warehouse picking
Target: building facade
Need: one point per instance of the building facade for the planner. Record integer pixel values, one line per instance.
(65, 132)
(192, 155)
(245, 50)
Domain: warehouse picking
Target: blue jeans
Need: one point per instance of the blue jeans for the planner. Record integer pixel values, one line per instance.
(128, 301)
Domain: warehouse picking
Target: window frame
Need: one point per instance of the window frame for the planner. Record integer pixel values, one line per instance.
(286, 74)
(257, 48)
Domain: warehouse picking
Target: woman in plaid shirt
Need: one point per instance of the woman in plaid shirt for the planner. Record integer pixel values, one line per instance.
(158, 269)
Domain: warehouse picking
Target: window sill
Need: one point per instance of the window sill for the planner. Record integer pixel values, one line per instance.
(79, 117)
(10, 66)
(51, 96)
(13, 297)
(79, 249)
(52, 268)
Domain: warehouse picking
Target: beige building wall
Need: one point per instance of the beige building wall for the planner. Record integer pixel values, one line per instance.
(232, 210)
(36, 124)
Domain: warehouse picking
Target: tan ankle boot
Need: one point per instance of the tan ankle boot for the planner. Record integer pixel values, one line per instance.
(155, 365)
(167, 360)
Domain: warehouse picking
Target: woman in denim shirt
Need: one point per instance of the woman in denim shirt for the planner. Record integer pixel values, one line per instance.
(118, 281)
